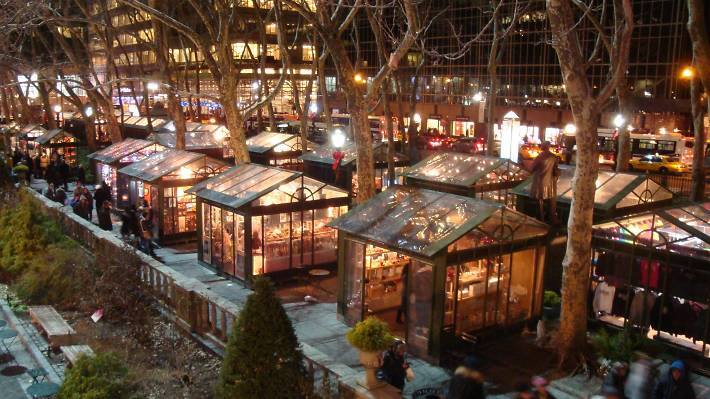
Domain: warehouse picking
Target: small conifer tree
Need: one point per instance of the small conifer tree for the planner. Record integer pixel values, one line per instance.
(263, 358)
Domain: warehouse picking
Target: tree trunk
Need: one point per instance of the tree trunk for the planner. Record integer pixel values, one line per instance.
(701, 60)
(623, 155)
(90, 123)
(44, 96)
(235, 122)
(324, 92)
(697, 192)
(178, 118)
(114, 128)
(363, 140)
(493, 84)
(390, 133)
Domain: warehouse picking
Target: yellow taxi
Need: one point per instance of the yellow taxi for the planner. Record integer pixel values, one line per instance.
(659, 164)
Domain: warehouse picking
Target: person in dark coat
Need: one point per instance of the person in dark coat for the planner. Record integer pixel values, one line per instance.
(467, 382)
(90, 198)
(60, 195)
(104, 214)
(394, 365)
(64, 173)
(49, 193)
(675, 384)
(100, 195)
(127, 221)
(617, 377)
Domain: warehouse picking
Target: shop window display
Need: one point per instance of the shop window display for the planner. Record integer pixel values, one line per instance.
(117, 156)
(266, 220)
(650, 274)
(163, 180)
(407, 245)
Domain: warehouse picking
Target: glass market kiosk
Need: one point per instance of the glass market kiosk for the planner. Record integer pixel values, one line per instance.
(465, 267)
(617, 194)
(116, 156)
(256, 220)
(60, 142)
(474, 176)
(318, 163)
(651, 271)
(162, 179)
(275, 149)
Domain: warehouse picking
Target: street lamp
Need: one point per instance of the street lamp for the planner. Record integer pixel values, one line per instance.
(417, 118)
(313, 108)
(88, 111)
(619, 121)
(57, 109)
(478, 97)
(152, 86)
(337, 138)
(358, 78)
(570, 128)
(687, 73)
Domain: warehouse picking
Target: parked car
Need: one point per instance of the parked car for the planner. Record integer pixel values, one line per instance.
(434, 141)
(469, 145)
(659, 164)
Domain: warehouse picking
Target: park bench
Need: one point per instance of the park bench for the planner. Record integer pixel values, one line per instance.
(51, 324)
(73, 352)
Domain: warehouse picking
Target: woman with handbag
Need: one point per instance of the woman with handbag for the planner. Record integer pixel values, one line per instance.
(146, 227)
(395, 369)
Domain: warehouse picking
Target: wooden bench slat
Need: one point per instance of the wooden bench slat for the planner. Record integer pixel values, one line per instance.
(74, 352)
(58, 331)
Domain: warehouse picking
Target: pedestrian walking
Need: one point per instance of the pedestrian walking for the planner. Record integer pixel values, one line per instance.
(639, 385)
(128, 221)
(616, 377)
(675, 384)
(90, 199)
(60, 195)
(104, 215)
(50, 192)
(467, 382)
(146, 232)
(394, 365)
(545, 171)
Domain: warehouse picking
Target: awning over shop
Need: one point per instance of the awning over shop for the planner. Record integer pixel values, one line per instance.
(55, 135)
(273, 141)
(141, 123)
(172, 164)
(32, 130)
(324, 154)
(115, 152)
(681, 230)
(614, 190)
(245, 183)
(196, 140)
(425, 222)
(466, 171)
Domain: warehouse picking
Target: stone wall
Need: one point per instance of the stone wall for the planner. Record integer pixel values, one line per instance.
(192, 305)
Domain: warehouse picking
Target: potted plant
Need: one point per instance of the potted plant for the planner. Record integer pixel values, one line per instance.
(370, 336)
(551, 305)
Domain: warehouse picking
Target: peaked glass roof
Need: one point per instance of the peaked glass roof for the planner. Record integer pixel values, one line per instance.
(33, 130)
(115, 152)
(242, 184)
(279, 142)
(160, 164)
(52, 134)
(466, 170)
(196, 140)
(324, 153)
(683, 230)
(140, 122)
(425, 222)
(614, 190)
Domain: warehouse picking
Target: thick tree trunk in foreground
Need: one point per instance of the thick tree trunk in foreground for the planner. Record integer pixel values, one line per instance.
(389, 128)
(90, 124)
(363, 140)
(623, 154)
(48, 113)
(586, 108)
(701, 60)
(235, 121)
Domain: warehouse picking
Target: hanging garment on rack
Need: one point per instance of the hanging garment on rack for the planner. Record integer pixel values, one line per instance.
(641, 307)
(650, 271)
(603, 298)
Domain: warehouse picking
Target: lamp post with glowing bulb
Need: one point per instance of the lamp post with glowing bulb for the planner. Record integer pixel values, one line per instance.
(57, 109)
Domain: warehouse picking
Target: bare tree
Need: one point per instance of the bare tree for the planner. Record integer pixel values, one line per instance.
(218, 19)
(332, 21)
(697, 28)
(586, 110)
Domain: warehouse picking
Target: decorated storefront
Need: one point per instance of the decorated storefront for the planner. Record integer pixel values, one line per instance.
(651, 272)
(259, 220)
(320, 163)
(109, 160)
(162, 179)
(27, 135)
(58, 143)
(275, 149)
(617, 194)
(458, 268)
(474, 176)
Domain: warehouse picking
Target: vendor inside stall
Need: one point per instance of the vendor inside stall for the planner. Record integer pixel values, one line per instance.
(116, 156)
(474, 176)
(260, 220)
(449, 268)
(651, 272)
(162, 181)
(58, 143)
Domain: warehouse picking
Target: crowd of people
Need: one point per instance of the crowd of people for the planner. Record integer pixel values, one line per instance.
(53, 169)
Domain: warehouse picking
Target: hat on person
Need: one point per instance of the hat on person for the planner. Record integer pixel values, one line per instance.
(539, 381)
(678, 365)
(472, 362)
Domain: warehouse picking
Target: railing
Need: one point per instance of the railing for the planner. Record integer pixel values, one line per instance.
(196, 309)
(680, 186)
